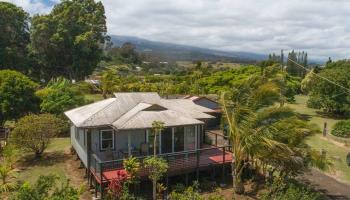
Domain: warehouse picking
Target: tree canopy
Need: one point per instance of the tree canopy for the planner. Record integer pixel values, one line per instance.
(328, 96)
(17, 96)
(34, 132)
(69, 41)
(14, 37)
(59, 96)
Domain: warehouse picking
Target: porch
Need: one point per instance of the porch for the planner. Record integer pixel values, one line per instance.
(178, 162)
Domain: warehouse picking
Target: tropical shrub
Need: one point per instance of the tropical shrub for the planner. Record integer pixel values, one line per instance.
(34, 132)
(342, 129)
(7, 174)
(289, 190)
(17, 95)
(59, 96)
(157, 167)
(48, 187)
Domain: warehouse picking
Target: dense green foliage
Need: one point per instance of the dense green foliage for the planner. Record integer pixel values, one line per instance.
(342, 129)
(68, 42)
(17, 96)
(289, 190)
(34, 132)
(331, 98)
(48, 187)
(180, 192)
(59, 96)
(157, 168)
(14, 37)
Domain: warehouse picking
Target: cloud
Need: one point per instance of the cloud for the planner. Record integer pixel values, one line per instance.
(317, 26)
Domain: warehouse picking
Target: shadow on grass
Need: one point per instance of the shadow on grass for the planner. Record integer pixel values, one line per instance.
(47, 159)
(305, 117)
(332, 116)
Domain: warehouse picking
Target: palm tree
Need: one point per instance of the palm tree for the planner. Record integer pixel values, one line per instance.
(156, 165)
(257, 129)
(157, 127)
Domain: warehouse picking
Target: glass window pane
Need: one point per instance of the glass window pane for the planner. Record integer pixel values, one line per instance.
(179, 139)
(107, 135)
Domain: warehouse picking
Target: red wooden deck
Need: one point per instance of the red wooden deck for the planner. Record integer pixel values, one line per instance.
(182, 163)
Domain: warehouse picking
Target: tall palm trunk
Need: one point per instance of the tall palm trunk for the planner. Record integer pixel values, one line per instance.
(154, 182)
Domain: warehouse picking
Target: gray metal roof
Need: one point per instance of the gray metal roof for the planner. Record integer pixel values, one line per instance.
(136, 110)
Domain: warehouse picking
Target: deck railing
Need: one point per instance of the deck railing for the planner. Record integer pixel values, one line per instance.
(216, 139)
(177, 161)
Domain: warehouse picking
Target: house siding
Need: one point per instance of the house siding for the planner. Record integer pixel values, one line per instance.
(79, 141)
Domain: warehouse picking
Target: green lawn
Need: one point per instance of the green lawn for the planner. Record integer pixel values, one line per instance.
(53, 161)
(93, 97)
(336, 152)
(312, 114)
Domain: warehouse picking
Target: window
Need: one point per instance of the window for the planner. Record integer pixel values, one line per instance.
(106, 139)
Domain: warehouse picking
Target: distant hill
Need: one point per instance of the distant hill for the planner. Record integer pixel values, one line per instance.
(176, 52)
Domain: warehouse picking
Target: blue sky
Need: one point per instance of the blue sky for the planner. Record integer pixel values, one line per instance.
(320, 27)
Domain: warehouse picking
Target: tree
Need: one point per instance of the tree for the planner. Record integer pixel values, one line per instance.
(109, 82)
(69, 41)
(330, 97)
(59, 96)
(17, 96)
(34, 132)
(46, 187)
(157, 127)
(156, 168)
(265, 134)
(14, 37)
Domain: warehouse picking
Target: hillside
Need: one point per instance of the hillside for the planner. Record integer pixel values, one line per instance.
(175, 52)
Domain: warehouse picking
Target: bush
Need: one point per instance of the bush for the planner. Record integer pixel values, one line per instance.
(34, 132)
(342, 129)
(289, 190)
(48, 187)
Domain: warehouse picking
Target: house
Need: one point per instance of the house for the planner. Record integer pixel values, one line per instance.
(106, 132)
(215, 110)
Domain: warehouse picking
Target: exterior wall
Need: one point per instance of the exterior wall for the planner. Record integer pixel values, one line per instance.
(79, 142)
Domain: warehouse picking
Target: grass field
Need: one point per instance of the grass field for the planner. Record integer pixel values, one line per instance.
(53, 161)
(337, 152)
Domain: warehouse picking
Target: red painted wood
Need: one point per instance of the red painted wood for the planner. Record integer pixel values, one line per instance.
(181, 163)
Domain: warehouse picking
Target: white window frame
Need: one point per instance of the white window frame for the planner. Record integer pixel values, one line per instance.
(101, 139)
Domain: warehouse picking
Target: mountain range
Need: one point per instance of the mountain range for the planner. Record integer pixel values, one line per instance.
(177, 52)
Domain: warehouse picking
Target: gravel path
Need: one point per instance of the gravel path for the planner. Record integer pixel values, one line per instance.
(326, 184)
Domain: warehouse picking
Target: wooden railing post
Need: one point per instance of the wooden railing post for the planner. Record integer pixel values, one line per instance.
(101, 180)
(216, 140)
(223, 163)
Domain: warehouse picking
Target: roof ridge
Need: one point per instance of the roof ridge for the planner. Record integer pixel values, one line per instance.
(131, 115)
(90, 118)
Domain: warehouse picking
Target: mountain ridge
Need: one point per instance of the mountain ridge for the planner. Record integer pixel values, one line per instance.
(175, 52)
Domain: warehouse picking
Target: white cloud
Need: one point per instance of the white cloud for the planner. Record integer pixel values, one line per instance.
(320, 27)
